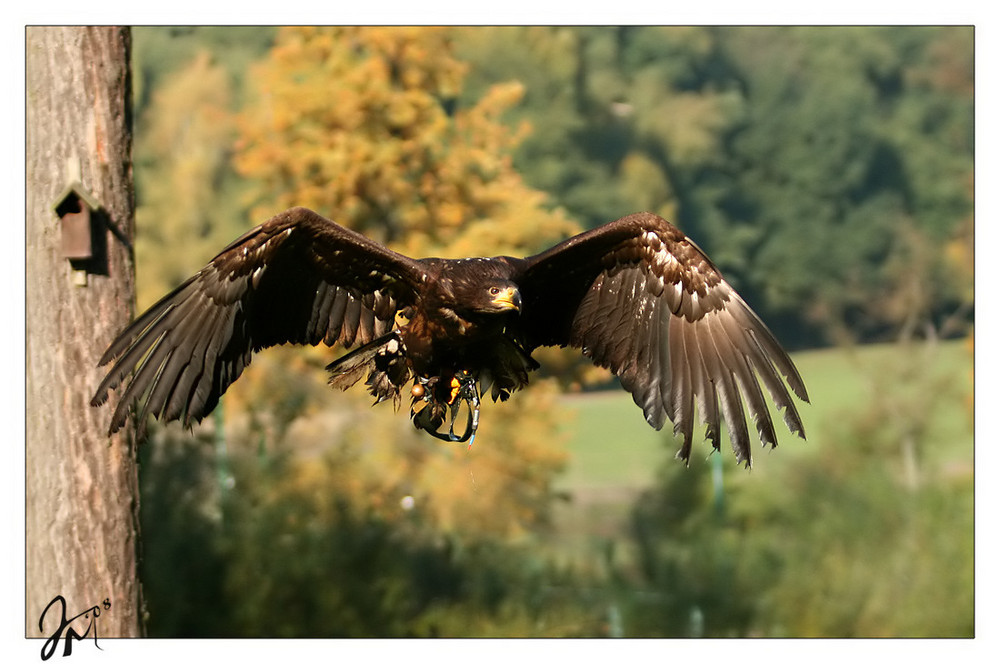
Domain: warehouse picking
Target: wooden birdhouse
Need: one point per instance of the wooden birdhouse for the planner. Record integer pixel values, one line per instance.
(76, 209)
(79, 213)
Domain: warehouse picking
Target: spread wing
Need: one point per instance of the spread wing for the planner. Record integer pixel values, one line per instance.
(298, 278)
(642, 300)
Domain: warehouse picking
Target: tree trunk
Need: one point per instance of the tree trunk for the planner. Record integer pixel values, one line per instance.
(81, 486)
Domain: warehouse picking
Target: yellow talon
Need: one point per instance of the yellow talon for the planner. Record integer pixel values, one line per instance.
(455, 387)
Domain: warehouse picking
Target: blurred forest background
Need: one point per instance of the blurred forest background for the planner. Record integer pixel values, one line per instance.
(827, 171)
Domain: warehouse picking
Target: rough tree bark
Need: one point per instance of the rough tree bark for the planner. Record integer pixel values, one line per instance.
(82, 494)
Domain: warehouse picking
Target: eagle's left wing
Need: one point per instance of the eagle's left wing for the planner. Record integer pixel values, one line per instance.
(639, 298)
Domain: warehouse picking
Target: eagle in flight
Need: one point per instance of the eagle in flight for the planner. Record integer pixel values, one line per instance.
(635, 296)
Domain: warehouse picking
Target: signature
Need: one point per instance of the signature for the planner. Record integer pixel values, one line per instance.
(90, 615)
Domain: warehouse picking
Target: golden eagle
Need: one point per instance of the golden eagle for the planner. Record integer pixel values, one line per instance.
(635, 296)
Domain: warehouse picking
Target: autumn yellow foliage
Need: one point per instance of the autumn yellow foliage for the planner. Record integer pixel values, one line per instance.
(354, 123)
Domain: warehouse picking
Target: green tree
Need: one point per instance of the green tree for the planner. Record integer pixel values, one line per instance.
(831, 158)
(834, 541)
(277, 556)
(616, 114)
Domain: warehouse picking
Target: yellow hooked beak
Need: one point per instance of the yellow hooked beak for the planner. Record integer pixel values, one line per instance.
(507, 298)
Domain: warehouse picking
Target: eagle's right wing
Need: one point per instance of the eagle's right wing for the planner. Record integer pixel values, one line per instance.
(298, 278)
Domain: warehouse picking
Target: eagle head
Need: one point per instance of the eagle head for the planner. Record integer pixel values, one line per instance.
(499, 297)
(485, 294)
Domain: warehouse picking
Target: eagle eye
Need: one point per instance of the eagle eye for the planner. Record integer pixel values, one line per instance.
(494, 290)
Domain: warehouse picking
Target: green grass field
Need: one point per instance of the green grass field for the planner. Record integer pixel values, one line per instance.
(614, 453)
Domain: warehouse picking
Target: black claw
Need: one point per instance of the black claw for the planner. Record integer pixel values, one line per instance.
(468, 393)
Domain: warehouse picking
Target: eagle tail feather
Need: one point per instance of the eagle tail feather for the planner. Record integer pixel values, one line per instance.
(385, 362)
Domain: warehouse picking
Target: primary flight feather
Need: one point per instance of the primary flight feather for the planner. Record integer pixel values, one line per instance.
(635, 296)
